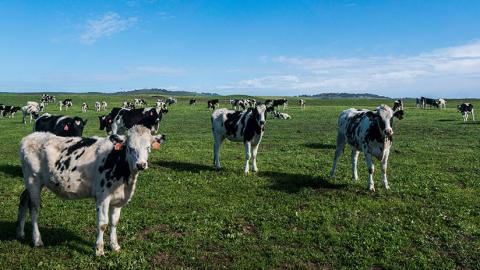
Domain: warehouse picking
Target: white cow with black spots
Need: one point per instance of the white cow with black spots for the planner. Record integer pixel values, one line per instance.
(239, 126)
(370, 132)
(105, 169)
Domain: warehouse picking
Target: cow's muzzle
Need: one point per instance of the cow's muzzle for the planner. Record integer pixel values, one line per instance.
(142, 166)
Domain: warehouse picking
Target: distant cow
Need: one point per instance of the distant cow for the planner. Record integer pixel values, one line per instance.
(280, 115)
(192, 102)
(104, 105)
(30, 110)
(60, 125)
(105, 169)
(239, 126)
(397, 105)
(213, 103)
(147, 117)
(65, 104)
(140, 102)
(85, 107)
(301, 102)
(47, 98)
(106, 121)
(369, 132)
(418, 103)
(98, 106)
(280, 102)
(442, 103)
(2, 109)
(239, 103)
(170, 101)
(465, 109)
(429, 101)
(10, 111)
(128, 105)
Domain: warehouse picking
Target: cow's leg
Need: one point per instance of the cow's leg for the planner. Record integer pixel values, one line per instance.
(384, 170)
(473, 116)
(338, 152)
(22, 210)
(254, 157)
(248, 148)
(34, 192)
(102, 223)
(216, 151)
(355, 154)
(114, 217)
(369, 161)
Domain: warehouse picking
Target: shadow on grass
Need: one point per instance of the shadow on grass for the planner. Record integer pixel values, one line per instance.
(446, 120)
(293, 183)
(469, 123)
(320, 146)
(184, 166)
(50, 237)
(11, 170)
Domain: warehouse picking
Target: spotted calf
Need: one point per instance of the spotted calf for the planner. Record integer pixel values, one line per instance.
(465, 109)
(66, 103)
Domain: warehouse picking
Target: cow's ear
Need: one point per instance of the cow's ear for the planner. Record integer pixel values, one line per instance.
(164, 111)
(399, 114)
(157, 141)
(117, 141)
(66, 128)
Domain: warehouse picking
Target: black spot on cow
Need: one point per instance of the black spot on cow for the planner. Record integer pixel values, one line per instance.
(74, 168)
(109, 184)
(102, 183)
(80, 154)
(116, 166)
(252, 127)
(84, 142)
(231, 122)
(66, 163)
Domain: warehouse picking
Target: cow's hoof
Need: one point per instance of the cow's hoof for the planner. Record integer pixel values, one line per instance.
(387, 187)
(38, 243)
(99, 252)
(20, 236)
(372, 189)
(116, 248)
(246, 173)
(355, 179)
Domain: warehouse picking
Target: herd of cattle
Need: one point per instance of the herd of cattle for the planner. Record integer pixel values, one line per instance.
(57, 157)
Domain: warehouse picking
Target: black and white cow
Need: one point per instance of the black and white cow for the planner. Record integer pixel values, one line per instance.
(301, 102)
(280, 102)
(106, 121)
(418, 103)
(239, 126)
(104, 105)
(239, 104)
(65, 104)
(31, 110)
(139, 102)
(465, 109)
(192, 102)
(98, 106)
(430, 102)
(105, 169)
(170, 101)
(60, 125)
(147, 117)
(128, 105)
(47, 98)
(10, 111)
(85, 106)
(2, 109)
(369, 132)
(442, 103)
(280, 115)
(397, 105)
(212, 104)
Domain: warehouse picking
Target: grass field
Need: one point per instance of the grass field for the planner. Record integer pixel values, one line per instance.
(289, 215)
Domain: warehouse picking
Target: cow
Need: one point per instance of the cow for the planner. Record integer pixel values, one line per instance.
(192, 102)
(60, 125)
(85, 107)
(66, 103)
(107, 120)
(280, 102)
(10, 111)
(30, 110)
(128, 105)
(465, 109)
(301, 102)
(98, 106)
(239, 103)
(139, 102)
(442, 103)
(397, 105)
(429, 101)
(212, 104)
(170, 101)
(105, 169)
(2, 109)
(418, 103)
(47, 98)
(251, 102)
(147, 117)
(161, 104)
(369, 132)
(239, 126)
(104, 105)
(280, 115)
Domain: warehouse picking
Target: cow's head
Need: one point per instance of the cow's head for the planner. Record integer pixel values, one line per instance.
(384, 117)
(77, 126)
(139, 143)
(259, 112)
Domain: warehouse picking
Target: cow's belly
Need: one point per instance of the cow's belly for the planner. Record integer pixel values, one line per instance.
(235, 138)
(69, 188)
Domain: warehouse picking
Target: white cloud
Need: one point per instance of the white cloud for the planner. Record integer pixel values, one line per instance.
(105, 26)
(440, 72)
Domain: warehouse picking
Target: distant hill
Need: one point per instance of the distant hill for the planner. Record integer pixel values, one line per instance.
(345, 95)
(159, 91)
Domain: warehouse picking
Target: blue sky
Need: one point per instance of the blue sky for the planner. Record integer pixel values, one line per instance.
(394, 48)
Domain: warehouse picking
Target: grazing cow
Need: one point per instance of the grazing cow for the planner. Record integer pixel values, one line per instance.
(213, 103)
(170, 101)
(128, 105)
(85, 107)
(397, 105)
(47, 98)
(105, 169)
(280, 115)
(429, 101)
(268, 103)
(239, 126)
(60, 125)
(192, 102)
(147, 117)
(301, 102)
(139, 102)
(280, 102)
(239, 103)
(104, 105)
(465, 109)
(30, 110)
(107, 120)
(98, 106)
(442, 103)
(10, 111)
(369, 132)
(65, 104)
